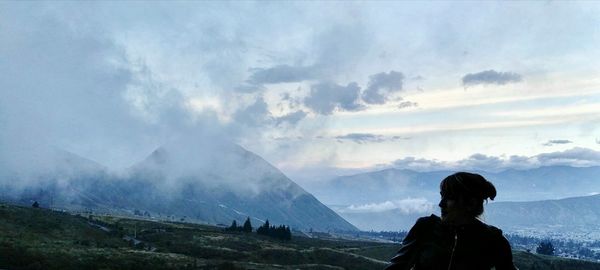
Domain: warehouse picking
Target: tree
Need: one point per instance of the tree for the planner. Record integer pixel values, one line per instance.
(584, 252)
(288, 233)
(233, 227)
(545, 248)
(35, 205)
(264, 229)
(280, 232)
(247, 226)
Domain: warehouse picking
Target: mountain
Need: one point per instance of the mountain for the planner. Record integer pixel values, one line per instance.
(210, 182)
(569, 215)
(379, 186)
(219, 182)
(391, 199)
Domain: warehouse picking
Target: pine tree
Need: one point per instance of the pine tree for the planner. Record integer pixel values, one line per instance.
(288, 233)
(233, 227)
(280, 232)
(247, 226)
(264, 229)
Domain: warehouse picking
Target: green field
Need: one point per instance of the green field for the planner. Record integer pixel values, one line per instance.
(44, 239)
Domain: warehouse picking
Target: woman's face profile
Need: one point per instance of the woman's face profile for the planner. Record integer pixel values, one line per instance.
(451, 207)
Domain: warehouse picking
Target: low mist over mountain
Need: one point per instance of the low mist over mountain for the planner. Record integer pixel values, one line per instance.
(392, 199)
(213, 182)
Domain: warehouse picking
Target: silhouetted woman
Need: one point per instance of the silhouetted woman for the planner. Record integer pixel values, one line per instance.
(458, 240)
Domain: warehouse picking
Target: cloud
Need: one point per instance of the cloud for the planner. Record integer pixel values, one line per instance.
(419, 164)
(255, 115)
(67, 87)
(407, 104)
(291, 118)
(362, 138)
(381, 86)
(332, 51)
(406, 206)
(282, 74)
(480, 161)
(249, 88)
(577, 157)
(326, 97)
(553, 142)
(491, 77)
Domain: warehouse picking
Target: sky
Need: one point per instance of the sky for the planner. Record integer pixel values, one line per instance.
(315, 88)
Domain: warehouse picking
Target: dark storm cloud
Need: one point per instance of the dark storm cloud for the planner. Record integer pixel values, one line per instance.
(381, 85)
(491, 77)
(326, 97)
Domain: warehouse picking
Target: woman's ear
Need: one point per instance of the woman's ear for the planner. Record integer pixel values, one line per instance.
(470, 203)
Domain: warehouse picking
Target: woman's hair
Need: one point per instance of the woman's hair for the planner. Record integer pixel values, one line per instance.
(468, 187)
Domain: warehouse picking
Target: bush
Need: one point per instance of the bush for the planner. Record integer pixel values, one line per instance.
(545, 248)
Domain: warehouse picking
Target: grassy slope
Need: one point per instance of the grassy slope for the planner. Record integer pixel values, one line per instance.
(43, 239)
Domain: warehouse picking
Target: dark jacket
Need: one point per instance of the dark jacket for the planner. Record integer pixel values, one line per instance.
(433, 245)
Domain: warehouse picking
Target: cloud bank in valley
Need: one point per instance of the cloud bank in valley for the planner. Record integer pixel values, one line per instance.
(405, 206)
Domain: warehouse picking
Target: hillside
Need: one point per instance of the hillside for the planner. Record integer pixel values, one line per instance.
(43, 239)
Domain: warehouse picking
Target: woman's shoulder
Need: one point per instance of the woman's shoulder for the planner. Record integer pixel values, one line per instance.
(424, 225)
(491, 228)
(428, 221)
(493, 231)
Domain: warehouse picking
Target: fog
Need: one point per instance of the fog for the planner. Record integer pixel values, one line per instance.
(318, 90)
(68, 86)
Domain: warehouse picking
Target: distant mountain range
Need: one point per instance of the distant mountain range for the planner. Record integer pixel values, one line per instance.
(213, 182)
(542, 183)
(392, 199)
(570, 215)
